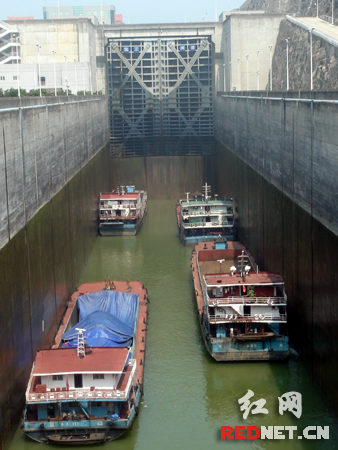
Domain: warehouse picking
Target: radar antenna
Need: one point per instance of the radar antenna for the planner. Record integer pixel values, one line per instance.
(243, 264)
(206, 192)
(81, 353)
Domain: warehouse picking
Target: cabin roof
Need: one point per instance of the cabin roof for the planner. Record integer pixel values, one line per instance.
(111, 196)
(65, 360)
(226, 279)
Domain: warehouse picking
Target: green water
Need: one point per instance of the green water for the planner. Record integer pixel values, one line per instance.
(187, 395)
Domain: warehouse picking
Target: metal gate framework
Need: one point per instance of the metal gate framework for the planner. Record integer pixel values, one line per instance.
(160, 96)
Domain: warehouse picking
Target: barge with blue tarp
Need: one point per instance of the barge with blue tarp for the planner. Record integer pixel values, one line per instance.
(87, 388)
(202, 218)
(122, 211)
(242, 310)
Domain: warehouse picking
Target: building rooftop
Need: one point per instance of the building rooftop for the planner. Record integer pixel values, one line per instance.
(65, 361)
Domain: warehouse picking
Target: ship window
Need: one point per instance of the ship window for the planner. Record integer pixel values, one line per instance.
(98, 376)
(57, 377)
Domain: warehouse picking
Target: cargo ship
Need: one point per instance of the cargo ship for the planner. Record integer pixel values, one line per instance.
(201, 218)
(87, 387)
(242, 310)
(122, 211)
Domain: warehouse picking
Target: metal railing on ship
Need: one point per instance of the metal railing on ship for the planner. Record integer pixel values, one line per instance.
(247, 317)
(83, 394)
(270, 301)
(208, 224)
(207, 213)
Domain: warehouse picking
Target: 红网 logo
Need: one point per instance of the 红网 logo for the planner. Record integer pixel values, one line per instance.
(290, 401)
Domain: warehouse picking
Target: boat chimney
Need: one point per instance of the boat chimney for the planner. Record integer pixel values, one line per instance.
(187, 194)
(80, 343)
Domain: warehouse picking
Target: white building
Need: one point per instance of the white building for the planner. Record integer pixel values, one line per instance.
(61, 53)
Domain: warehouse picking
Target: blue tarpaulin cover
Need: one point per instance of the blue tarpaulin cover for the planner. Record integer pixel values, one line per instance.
(108, 318)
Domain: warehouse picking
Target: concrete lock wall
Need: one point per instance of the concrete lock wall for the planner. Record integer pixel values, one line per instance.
(41, 149)
(278, 159)
(54, 161)
(292, 143)
(163, 177)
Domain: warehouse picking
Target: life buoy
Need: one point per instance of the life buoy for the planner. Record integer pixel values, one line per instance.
(244, 289)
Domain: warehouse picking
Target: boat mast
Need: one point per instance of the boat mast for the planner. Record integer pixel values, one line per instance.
(206, 191)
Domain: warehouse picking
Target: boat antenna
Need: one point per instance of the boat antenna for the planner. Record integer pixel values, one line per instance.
(80, 343)
(206, 191)
(243, 264)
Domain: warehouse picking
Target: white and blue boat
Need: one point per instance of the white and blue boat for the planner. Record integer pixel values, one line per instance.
(242, 310)
(122, 212)
(86, 388)
(202, 218)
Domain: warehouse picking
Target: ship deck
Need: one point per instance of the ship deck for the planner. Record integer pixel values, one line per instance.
(211, 265)
(132, 287)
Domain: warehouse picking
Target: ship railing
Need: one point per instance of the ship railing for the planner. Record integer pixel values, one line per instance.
(83, 394)
(72, 395)
(208, 224)
(30, 381)
(112, 216)
(132, 362)
(121, 206)
(257, 318)
(202, 283)
(207, 213)
(271, 301)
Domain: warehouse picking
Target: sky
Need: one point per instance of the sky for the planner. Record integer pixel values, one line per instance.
(133, 11)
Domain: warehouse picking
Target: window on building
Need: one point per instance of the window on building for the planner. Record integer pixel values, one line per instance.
(61, 13)
(2, 78)
(78, 10)
(54, 13)
(15, 77)
(57, 377)
(98, 376)
(67, 13)
(89, 13)
(43, 81)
